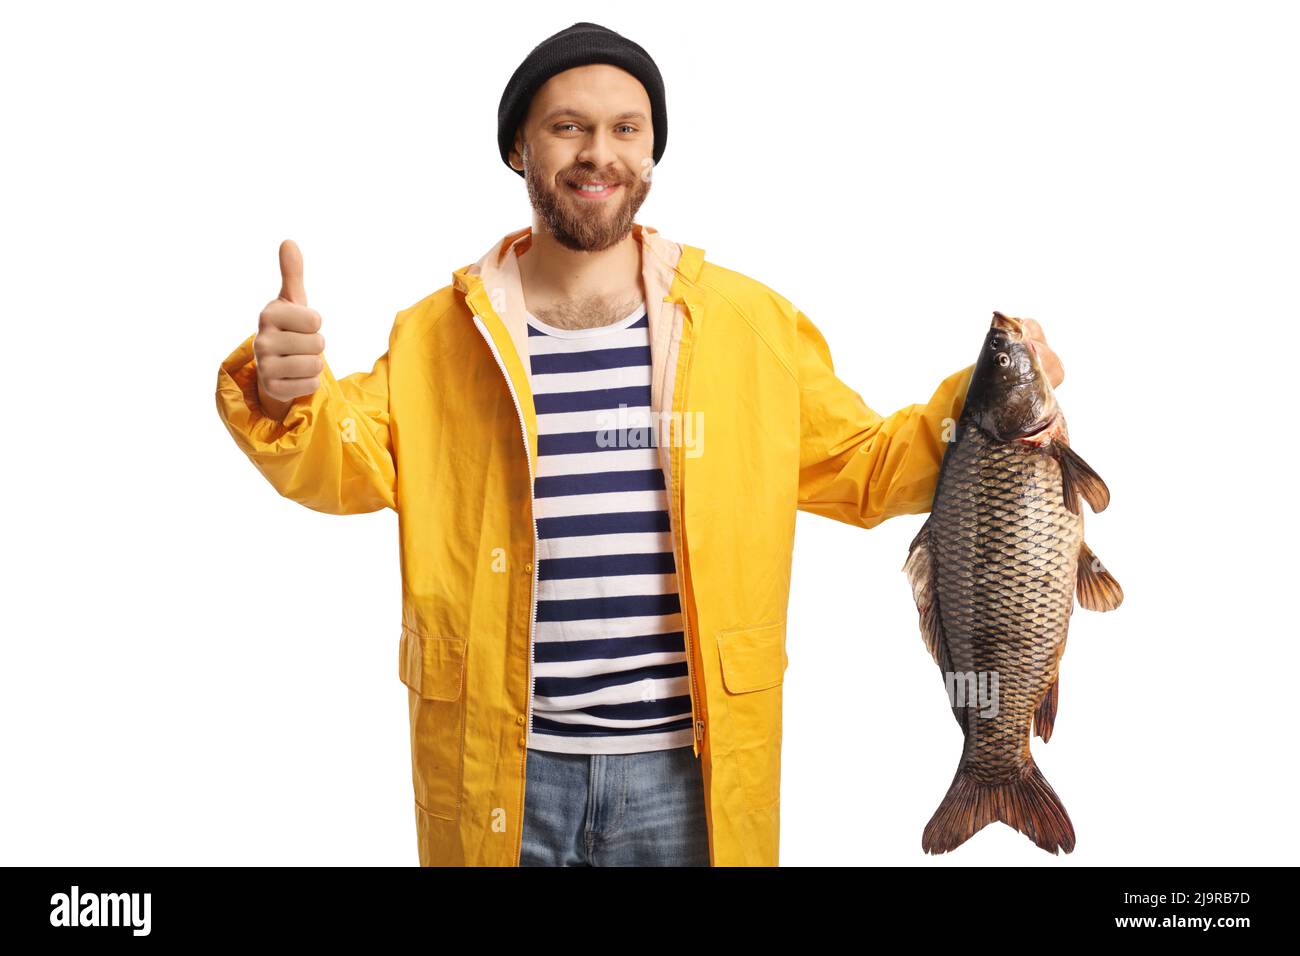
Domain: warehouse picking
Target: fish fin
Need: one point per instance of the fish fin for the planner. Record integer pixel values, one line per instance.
(1097, 589)
(920, 572)
(1045, 715)
(1078, 478)
(1028, 804)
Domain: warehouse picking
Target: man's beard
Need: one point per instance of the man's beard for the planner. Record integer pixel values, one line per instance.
(572, 224)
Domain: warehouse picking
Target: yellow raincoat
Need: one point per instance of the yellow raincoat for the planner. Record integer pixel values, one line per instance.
(755, 425)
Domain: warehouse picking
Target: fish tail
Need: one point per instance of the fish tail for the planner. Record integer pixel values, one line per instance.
(1028, 804)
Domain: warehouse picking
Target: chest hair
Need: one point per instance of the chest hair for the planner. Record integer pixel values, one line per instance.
(589, 313)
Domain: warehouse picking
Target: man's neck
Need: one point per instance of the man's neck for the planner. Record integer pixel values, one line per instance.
(580, 290)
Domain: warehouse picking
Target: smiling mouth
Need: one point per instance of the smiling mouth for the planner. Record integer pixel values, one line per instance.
(590, 191)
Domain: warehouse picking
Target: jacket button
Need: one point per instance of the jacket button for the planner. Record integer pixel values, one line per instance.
(520, 720)
(523, 742)
(529, 567)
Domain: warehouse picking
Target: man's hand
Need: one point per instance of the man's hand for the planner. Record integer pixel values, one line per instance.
(1050, 362)
(288, 344)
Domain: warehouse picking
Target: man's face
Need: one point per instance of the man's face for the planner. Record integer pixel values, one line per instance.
(588, 125)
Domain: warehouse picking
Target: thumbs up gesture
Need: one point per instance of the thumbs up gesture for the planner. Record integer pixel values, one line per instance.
(288, 344)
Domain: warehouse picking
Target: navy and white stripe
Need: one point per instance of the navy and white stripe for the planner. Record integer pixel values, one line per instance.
(609, 657)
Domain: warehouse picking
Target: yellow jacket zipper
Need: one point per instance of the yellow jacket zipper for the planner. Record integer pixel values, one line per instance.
(532, 617)
(678, 500)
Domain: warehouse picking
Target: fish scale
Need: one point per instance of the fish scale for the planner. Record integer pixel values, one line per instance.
(1004, 551)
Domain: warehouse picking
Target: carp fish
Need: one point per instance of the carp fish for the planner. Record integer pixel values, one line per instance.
(994, 571)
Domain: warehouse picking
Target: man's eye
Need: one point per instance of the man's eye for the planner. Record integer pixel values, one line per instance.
(627, 126)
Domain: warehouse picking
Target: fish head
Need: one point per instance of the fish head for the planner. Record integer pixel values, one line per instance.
(1009, 395)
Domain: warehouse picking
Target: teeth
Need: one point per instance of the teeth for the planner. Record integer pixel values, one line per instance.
(593, 189)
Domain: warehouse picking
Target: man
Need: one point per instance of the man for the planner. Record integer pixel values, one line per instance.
(594, 584)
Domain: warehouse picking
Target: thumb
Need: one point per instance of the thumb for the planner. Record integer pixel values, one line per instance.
(291, 287)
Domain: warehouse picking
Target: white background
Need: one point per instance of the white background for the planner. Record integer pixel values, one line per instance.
(1124, 173)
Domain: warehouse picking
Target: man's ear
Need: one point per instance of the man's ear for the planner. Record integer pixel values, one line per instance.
(517, 152)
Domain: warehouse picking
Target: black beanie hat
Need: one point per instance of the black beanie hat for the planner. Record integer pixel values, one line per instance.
(578, 45)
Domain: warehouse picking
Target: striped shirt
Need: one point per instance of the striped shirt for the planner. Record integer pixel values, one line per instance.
(609, 661)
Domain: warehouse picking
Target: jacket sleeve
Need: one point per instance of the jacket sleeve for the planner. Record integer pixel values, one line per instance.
(333, 452)
(855, 465)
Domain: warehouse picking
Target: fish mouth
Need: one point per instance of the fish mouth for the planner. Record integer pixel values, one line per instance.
(1008, 324)
(1015, 328)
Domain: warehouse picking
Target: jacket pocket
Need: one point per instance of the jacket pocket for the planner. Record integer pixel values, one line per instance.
(753, 663)
(433, 669)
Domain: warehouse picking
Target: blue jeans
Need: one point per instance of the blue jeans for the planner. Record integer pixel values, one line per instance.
(644, 809)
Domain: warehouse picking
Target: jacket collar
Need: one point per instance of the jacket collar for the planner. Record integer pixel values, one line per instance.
(494, 293)
(496, 273)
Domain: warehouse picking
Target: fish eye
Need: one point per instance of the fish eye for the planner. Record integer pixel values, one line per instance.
(1004, 359)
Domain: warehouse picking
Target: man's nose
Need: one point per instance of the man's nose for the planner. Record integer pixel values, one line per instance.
(597, 150)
